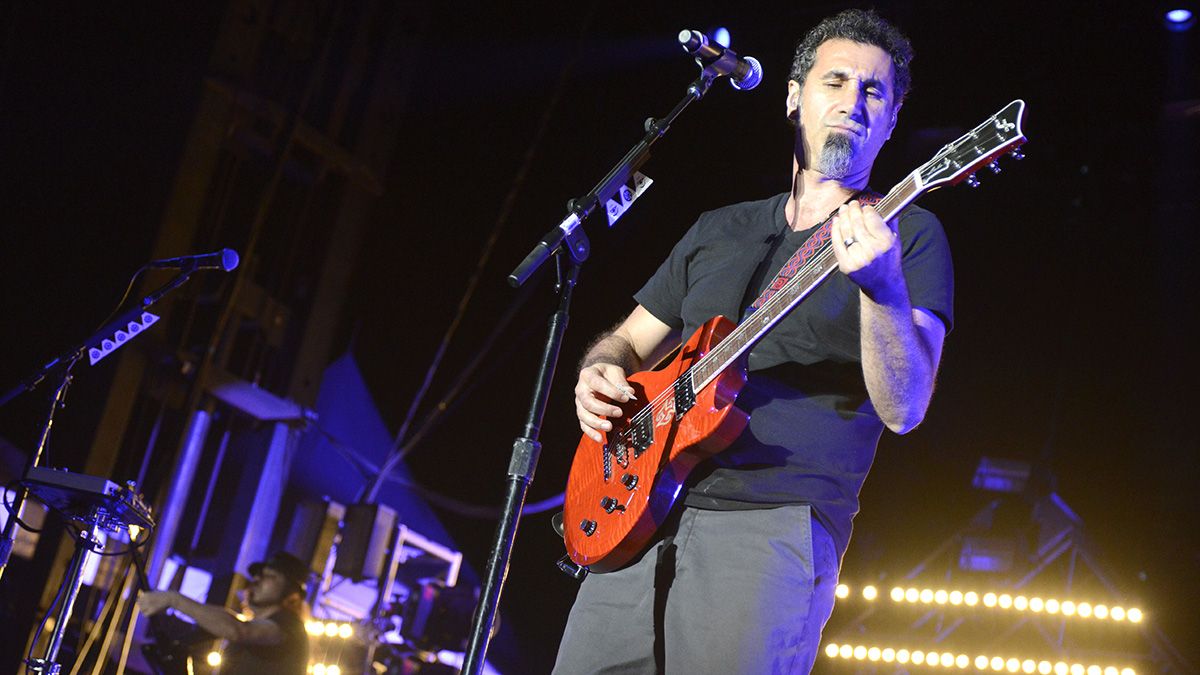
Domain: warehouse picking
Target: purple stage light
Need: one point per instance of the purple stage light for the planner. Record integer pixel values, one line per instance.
(721, 36)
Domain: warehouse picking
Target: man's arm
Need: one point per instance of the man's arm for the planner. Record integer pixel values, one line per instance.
(217, 620)
(640, 338)
(901, 348)
(901, 345)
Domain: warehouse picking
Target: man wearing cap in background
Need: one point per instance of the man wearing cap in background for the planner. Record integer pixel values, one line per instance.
(273, 639)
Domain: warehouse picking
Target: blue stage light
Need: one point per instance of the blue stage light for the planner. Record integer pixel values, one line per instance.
(721, 36)
(1179, 20)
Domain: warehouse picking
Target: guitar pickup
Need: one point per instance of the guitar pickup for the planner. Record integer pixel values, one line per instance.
(685, 395)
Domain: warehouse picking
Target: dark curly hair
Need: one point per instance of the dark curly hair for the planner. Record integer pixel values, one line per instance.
(862, 26)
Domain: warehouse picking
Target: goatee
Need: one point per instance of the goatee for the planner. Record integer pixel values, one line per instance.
(835, 157)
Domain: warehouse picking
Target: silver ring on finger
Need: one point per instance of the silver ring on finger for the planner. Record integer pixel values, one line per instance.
(849, 241)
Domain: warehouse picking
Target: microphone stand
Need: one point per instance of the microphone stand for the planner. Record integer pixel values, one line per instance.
(96, 341)
(526, 447)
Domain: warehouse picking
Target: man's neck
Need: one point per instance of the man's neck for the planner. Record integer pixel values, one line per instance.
(263, 612)
(815, 195)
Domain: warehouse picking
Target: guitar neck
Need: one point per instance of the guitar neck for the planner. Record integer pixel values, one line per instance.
(819, 266)
(981, 146)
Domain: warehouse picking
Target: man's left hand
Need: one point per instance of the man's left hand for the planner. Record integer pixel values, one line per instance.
(868, 251)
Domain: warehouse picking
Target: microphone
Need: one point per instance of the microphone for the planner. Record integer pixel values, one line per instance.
(225, 260)
(744, 72)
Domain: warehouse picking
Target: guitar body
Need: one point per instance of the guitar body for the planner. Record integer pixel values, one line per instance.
(643, 485)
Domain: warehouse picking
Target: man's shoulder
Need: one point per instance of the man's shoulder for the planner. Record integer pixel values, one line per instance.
(740, 219)
(748, 210)
(287, 619)
(916, 221)
(917, 214)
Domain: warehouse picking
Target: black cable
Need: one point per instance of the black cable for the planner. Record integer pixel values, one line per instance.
(73, 530)
(116, 585)
(37, 635)
(68, 525)
(60, 403)
(8, 507)
(125, 551)
(133, 546)
(124, 296)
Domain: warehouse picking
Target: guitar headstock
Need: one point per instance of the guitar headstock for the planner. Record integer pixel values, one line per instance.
(982, 146)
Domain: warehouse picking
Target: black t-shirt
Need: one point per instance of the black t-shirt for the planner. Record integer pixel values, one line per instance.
(812, 432)
(289, 657)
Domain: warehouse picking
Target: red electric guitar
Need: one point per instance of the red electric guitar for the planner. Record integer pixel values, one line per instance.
(620, 491)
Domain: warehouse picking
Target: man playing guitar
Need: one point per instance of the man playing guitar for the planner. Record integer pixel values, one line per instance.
(741, 577)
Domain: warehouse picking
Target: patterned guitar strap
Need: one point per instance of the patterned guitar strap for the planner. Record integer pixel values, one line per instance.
(814, 243)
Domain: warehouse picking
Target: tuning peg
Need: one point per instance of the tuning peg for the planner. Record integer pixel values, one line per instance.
(972, 180)
(994, 166)
(1017, 154)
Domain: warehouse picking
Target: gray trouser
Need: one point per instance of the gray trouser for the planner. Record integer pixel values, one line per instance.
(724, 592)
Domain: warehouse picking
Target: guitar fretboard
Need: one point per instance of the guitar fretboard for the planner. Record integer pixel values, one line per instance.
(818, 267)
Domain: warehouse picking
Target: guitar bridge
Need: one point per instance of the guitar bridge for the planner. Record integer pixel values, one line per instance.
(621, 452)
(641, 435)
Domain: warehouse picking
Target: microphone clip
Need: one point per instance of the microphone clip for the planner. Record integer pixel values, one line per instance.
(715, 60)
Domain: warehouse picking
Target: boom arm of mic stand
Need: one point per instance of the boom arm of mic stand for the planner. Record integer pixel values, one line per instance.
(580, 208)
(30, 383)
(68, 358)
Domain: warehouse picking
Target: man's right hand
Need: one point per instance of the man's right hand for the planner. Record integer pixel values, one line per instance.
(153, 602)
(602, 381)
(599, 386)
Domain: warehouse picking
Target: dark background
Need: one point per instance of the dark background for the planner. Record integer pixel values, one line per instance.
(1076, 294)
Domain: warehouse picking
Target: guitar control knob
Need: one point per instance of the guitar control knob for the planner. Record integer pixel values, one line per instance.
(972, 180)
(609, 504)
(588, 527)
(629, 480)
(1017, 154)
(994, 166)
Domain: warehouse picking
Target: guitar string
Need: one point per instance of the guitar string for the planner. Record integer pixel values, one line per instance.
(651, 410)
(956, 145)
(822, 255)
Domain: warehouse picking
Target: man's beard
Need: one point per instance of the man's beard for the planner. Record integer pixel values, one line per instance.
(836, 155)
